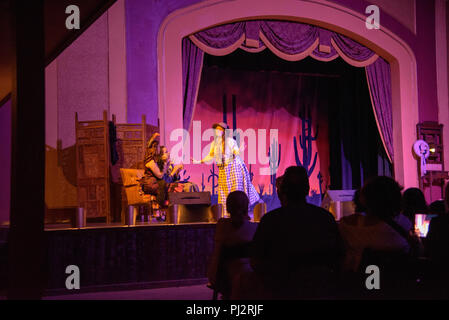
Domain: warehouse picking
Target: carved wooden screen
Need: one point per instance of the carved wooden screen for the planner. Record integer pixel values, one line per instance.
(93, 167)
(432, 133)
(131, 145)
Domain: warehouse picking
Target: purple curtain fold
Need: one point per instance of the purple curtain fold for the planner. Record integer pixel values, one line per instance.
(288, 37)
(252, 31)
(291, 38)
(222, 36)
(379, 83)
(192, 63)
(351, 48)
(325, 39)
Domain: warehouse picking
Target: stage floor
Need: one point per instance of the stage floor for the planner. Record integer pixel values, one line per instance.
(103, 225)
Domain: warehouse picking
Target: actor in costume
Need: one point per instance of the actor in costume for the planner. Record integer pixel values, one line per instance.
(157, 180)
(171, 174)
(232, 172)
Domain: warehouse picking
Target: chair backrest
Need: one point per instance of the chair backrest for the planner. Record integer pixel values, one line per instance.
(241, 250)
(130, 177)
(388, 261)
(131, 185)
(399, 273)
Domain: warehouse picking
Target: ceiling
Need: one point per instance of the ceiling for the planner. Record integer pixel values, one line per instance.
(57, 36)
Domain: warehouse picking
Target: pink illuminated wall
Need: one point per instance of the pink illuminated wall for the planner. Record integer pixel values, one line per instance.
(143, 20)
(83, 80)
(88, 77)
(404, 11)
(422, 43)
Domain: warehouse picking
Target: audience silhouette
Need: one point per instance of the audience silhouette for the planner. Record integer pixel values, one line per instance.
(381, 198)
(413, 202)
(230, 233)
(296, 248)
(299, 251)
(437, 244)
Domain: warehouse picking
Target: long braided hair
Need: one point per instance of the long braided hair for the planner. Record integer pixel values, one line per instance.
(151, 152)
(223, 145)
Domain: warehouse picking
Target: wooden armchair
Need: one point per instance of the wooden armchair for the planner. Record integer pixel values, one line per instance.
(134, 195)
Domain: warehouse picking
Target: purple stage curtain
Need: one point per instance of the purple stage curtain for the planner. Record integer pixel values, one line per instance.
(379, 83)
(292, 41)
(325, 37)
(352, 49)
(222, 36)
(192, 63)
(289, 37)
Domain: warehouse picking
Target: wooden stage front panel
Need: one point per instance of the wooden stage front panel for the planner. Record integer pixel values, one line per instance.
(128, 255)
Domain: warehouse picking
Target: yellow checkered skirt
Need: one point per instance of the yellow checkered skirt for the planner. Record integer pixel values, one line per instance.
(235, 176)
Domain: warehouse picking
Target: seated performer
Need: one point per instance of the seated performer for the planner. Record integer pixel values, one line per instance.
(152, 182)
(171, 174)
(169, 169)
(161, 176)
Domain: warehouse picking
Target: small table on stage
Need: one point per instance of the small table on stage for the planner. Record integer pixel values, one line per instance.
(191, 207)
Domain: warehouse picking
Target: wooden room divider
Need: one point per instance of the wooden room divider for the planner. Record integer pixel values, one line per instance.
(131, 146)
(93, 167)
(99, 182)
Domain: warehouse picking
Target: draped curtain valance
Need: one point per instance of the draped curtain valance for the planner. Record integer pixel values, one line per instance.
(290, 41)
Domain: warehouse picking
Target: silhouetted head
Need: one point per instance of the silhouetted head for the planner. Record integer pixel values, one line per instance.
(437, 207)
(413, 201)
(381, 196)
(237, 205)
(278, 185)
(294, 185)
(358, 206)
(446, 197)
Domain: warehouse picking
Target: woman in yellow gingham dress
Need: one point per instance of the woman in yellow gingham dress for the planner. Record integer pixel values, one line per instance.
(232, 172)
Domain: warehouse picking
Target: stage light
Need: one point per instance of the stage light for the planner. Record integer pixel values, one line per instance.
(432, 150)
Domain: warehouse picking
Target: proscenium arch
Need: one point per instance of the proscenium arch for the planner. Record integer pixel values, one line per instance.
(203, 15)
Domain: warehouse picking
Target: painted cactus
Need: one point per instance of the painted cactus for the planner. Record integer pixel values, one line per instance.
(261, 188)
(251, 173)
(236, 134)
(212, 177)
(275, 159)
(320, 181)
(305, 143)
(183, 178)
(203, 186)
